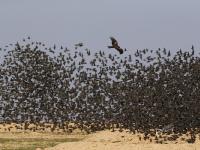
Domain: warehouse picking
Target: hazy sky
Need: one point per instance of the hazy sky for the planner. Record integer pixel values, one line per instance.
(136, 24)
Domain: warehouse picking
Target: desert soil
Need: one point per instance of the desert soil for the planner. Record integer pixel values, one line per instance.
(107, 140)
(102, 140)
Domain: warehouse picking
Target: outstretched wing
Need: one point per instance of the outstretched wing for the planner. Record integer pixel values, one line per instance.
(115, 45)
(114, 41)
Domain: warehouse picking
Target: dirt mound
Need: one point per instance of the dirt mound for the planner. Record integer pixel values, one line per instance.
(107, 140)
(128, 137)
(122, 146)
(113, 137)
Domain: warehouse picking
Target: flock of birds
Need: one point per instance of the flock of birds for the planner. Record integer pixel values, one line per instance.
(149, 91)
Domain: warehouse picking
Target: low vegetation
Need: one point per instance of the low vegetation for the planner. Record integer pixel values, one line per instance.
(31, 141)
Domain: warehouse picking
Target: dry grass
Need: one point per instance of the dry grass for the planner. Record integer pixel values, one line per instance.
(33, 140)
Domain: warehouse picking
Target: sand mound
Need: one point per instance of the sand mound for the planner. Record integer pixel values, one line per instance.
(113, 137)
(121, 146)
(107, 140)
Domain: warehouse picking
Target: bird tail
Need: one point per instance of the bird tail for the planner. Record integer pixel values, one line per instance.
(110, 47)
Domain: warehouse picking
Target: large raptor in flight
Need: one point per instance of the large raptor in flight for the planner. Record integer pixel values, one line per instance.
(115, 45)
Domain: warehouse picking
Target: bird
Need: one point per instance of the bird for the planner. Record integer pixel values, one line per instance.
(115, 45)
(78, 45)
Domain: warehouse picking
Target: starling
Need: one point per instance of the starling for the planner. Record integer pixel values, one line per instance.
(78, 45)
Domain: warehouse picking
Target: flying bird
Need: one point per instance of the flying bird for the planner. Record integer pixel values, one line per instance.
(115, 45)
(78, 45)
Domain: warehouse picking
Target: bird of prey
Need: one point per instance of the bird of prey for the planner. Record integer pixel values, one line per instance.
(115, 45)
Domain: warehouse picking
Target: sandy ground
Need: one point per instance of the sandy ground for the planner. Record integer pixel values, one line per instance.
(102, 140)
(107, 140)
(122, 146)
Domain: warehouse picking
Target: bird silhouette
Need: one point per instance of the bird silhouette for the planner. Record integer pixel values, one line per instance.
(78, 45)
(115, 45)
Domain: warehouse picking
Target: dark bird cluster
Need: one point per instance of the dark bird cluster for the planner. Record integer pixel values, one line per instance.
(151, 91)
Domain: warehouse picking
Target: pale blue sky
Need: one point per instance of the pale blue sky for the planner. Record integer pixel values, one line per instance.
(135, 23)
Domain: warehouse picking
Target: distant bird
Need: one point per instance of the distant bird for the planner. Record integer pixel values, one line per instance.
(115, 45)
(78, 45)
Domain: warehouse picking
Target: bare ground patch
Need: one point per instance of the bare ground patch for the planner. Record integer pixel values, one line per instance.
(107, 140)
(14, 139)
